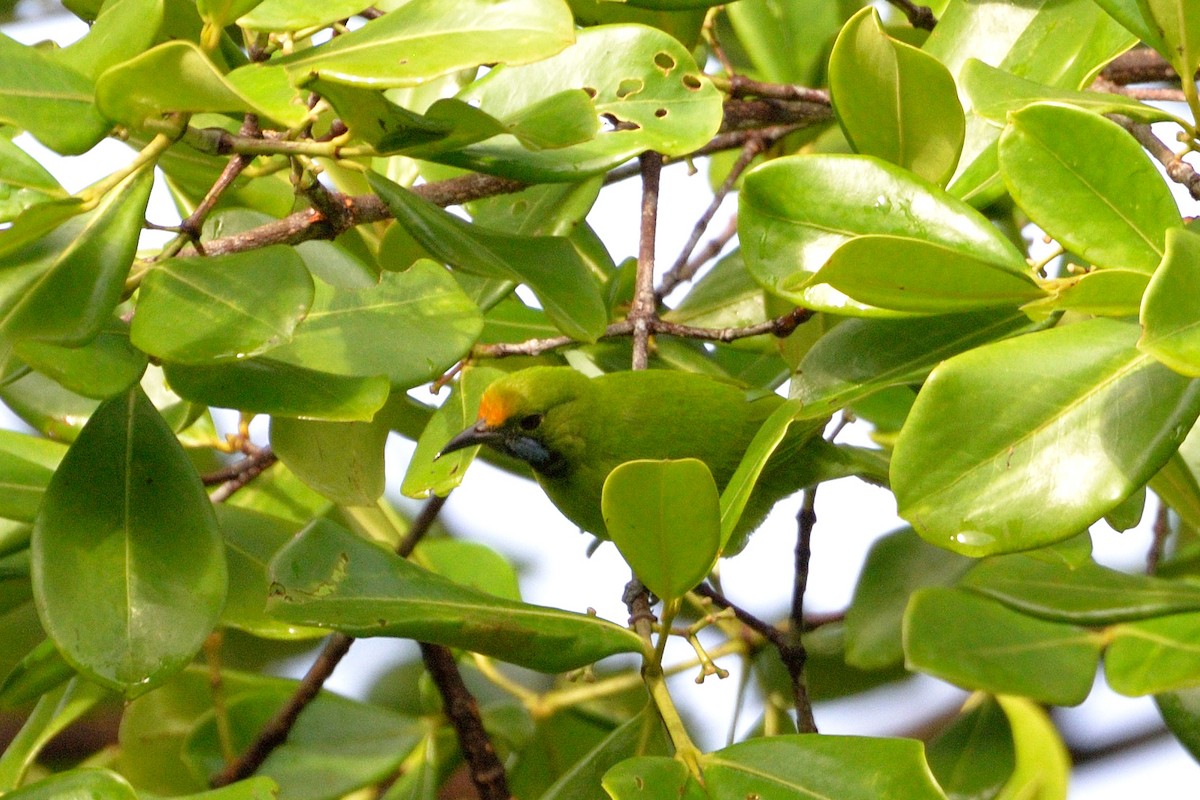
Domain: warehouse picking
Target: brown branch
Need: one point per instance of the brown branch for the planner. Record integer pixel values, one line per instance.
(918, 16)
(795, 656)
(1176, 168)
(679, 271)
(741, 87)
(191, 226)
(276, 731)
(235, 477)
(764, 629)
(1158, 545)
(487, 773)
(1142, 65)
(643, 309)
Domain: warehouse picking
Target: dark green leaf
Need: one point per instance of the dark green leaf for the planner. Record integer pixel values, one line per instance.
(1181, 711)
(128, 565)
(42, 669)
(341, 460)
(975, 756)
(329, 577)
(643, 735)
(105, 366)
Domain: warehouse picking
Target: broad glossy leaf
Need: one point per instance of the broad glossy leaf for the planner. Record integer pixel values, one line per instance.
(1170, 324)
(1175, 484)
(192, 310)
(97, 784)
(128, 564)
(288, 15)
(1129, 13)
(664, 517)
(642, 735)
(1102, 292)
(251, 541)
(903, 274)
(1057, 163)
(1043, 763)
(1059, 43)
(787, 41)
(470, 564)
(643, 81)
(978, 643)
(136, 90)
(51, 101)
(995, 94)
(651, 778)
(63, 287)
(219, 13)
(411, 328)
(265, 386)
(337, 745)
(26, 465)
(423, 39)
(1178, 22)
(1085, 594)
(1078, 401)
(725, 297)
(1153, 655)
(974, 756)
(795, 212)
(105, 366)
(341, 460)
(549, 265)
(862, 356)
(23, 182)
(896, 566)
(809, 765)
(333, 579)
(47, 407)
(428, 474)
(895, 101)
(1181, 711)
(122, 30)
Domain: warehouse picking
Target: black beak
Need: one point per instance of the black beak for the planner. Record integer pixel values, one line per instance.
(477, 434)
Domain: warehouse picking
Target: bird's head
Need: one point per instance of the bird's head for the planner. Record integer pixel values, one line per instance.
(528, 415)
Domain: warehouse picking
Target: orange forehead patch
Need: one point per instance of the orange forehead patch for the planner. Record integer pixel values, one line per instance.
(494, 409)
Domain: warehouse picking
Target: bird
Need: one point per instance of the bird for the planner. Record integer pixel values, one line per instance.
(573, 430)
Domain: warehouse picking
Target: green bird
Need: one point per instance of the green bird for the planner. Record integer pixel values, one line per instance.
(573, 431)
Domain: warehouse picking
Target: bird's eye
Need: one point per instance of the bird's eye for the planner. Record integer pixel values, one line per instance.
(531, 422)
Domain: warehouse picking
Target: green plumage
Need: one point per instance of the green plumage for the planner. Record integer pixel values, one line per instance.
(574, 430)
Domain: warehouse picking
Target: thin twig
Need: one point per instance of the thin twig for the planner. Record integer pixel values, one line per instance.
(487, 772)
(644, 305)
(276, 731)
(679, 270)
(764, 629)
(1142, 65)
(191, 226)
(796, 656)
(1158, 545)
(918, 16)
(1176, 168)
(239, 474)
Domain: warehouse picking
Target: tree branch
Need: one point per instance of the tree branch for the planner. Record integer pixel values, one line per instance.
(795, 656)
(644, 305)
(918, 16)
(276, 731)
(1176, 168)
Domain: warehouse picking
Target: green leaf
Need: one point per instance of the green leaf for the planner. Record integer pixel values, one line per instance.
(1178, 23)
(1057, 163)
(26, 465)
(105, 366)
(135, 91)
(330, 578)
(63, 288)
(1085, 594)
(128, 565)
(897, 565)
(1176, 485)
(289, 15)
(47, 407)
(428, 474)
(264, 386)
(1130, 14)
(423, 39)
(1043, 763)
(412, 327)
(470, 564)
(336, 746)
(51, 101)
(642, 735)
(977, 643)
(341, 460)
(124, 29)
(794, 212)
(1181, 711)
(192, 310)
(862, 356)
(54, 712)
(643, 81)
(664, 517)
(1078, 400)
(894, 101)
(995, 94)
(787, 42)
(975, 756)
(1170, 325)
(41, 670)
(651, 778)
(549, 265)
(911, 275)
(1059, 43)
(1102, 292)
(1153, 655)
(808, 765)
(251, 541)
(725, 297)
(77, 783)
(24, 182)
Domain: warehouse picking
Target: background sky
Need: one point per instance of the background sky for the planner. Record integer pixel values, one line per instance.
(514, 517)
